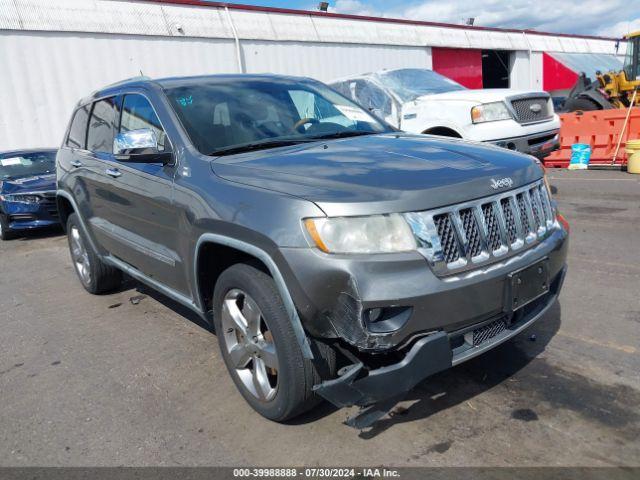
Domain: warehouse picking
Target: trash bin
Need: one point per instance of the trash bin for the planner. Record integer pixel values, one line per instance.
(633, 156)
(580, 155)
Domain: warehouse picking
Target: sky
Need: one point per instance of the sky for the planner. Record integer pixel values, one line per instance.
(587, 17)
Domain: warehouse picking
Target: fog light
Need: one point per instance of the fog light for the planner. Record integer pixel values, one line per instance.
(387, 319)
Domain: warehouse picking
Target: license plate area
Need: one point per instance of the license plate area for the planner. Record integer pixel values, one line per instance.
(526, 285)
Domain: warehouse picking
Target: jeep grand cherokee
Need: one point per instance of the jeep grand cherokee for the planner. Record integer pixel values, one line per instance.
(335, 256)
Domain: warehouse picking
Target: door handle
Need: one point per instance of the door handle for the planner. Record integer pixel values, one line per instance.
(76, 163)
(113, 172)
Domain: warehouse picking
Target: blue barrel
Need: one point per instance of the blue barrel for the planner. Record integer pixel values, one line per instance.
(580, 155)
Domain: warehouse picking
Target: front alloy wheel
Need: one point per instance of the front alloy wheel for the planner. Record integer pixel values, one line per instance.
(250, 345)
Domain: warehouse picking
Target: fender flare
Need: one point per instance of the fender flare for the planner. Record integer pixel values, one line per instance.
(281, 285)
(69, 197)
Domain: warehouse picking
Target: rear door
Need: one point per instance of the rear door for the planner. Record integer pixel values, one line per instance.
(135, 205)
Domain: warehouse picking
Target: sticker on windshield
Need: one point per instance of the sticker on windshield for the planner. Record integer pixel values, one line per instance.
(354, 113)
(8, 162)
(185, 101)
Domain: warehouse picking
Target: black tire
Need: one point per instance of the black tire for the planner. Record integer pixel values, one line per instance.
(101, 278)
(295, 374)
(580, 103)
(5, 232)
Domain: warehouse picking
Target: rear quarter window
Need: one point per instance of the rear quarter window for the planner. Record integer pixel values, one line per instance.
(78, 130)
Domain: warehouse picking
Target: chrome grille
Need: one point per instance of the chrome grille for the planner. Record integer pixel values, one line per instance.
(461, 237)
(447, 238)
(493, 230)
(471, 232)
(509, 220)
(532, 109)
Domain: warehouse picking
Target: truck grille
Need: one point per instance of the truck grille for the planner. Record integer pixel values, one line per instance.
(531, 109)
(463, 236)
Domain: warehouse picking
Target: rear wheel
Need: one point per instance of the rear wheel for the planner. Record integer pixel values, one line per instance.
(5, 232)
(96, 276)
(260, 348)
(580, 103)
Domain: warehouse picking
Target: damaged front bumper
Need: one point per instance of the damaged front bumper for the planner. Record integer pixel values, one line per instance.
(380, 388)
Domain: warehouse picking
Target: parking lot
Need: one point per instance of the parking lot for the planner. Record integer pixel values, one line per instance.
(131, 378)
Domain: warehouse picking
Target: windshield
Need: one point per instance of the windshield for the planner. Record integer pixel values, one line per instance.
(223, 117)
(632, 60)
(411, 83)
(27, 164)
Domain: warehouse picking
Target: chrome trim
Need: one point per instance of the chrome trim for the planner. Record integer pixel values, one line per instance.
(292, 312)
(138, 275)
(430, 244)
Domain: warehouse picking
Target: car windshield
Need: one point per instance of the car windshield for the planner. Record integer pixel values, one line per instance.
(223, 117)
(411, 83)
(27, 164)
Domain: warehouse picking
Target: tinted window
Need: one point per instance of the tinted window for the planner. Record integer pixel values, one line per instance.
(78, 130)
(102, 126)
(223, 116)
(137, 113)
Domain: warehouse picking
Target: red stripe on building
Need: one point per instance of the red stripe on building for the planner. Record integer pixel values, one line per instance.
(555, 76)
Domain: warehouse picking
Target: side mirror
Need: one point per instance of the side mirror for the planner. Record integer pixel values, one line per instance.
(139, 146)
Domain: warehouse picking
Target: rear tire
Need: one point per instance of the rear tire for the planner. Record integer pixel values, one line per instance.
(269, 368)
(580, 103)
(95, 276)
(5, 232)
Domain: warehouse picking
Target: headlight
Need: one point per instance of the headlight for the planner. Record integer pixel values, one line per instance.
(550, 107)
(20, 198)
(373, 234)
(490, 112)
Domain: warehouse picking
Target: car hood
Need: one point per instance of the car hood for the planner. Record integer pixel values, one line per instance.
(381, 173)
(36, 183)
(477, 96)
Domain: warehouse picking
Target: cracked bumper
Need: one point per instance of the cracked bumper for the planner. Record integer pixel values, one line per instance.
(429, 355)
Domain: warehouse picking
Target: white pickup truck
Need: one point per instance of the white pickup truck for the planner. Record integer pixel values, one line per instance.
(423, 101)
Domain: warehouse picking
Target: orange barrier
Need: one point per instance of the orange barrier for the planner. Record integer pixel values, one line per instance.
(600, 129)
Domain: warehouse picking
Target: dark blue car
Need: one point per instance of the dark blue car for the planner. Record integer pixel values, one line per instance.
(27, 191)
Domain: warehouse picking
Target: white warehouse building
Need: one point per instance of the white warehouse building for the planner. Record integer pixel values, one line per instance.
(54, 53)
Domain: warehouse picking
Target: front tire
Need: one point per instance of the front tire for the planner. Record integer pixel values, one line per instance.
(260, 348)
(5, 232)
(95, 276)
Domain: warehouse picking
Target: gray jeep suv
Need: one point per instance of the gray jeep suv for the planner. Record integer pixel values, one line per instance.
(335, 256)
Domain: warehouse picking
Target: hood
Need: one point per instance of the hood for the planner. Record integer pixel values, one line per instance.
(381, 173)
(477, 96)
(36, 183)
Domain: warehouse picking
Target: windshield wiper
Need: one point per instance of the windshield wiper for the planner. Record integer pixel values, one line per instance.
(350, 133)
(259, 146)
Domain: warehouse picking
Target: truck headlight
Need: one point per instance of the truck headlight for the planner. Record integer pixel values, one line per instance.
(371, 234)
(490, 112)
(20, 198)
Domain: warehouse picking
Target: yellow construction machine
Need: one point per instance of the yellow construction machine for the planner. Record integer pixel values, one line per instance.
(611, 89)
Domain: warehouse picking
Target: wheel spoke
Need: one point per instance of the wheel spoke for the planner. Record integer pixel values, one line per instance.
(240, 356)
(267, 352)
(233, 316)
(252, 314)
(260, 379)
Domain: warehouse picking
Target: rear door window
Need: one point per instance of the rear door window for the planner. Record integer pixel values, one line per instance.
(102, 124)
(78, 130)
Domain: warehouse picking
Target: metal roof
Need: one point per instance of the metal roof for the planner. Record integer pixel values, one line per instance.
(199, 19)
